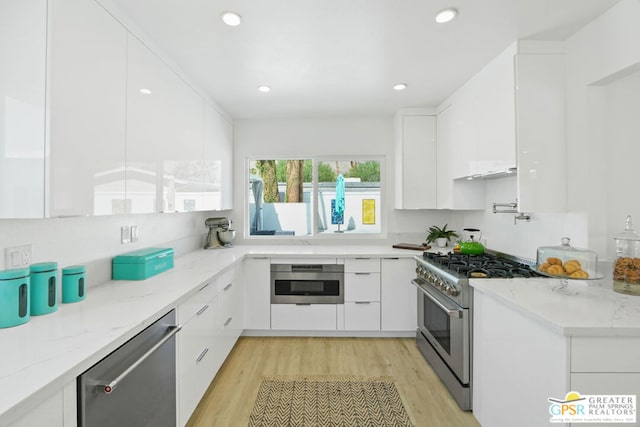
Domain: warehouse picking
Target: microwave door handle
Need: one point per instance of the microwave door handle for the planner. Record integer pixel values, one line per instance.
(451, 312)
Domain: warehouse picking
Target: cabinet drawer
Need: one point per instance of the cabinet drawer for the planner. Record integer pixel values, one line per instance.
(316, 317)
(606, 383)
(197, 362)
(605, 354)
(362, 316)
(362, 287)
(362, 265)
(196, 302)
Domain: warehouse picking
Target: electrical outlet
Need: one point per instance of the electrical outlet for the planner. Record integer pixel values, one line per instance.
(135, 235)
(18, 256)
(125, 234)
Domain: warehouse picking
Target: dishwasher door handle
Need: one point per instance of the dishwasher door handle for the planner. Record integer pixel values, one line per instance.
(108, 387)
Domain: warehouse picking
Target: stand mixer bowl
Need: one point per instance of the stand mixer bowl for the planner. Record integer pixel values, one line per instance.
(227, 236)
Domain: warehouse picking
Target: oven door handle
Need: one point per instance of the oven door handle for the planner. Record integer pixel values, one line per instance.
(452, 312)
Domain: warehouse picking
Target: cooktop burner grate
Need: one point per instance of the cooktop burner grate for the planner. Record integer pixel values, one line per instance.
(480, 266)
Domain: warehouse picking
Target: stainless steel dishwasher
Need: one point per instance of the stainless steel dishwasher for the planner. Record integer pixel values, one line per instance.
(136, 384)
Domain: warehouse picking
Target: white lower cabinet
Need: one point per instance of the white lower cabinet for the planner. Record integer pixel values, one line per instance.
(57, 410)
(362, 294)
(362, 315)
(196, 353)
(231, 313)
(256, 274)
(308, 317)
(212, 321)
(399, 297)
(605, 365)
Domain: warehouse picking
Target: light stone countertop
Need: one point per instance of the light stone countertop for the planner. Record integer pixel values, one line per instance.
(49, 351)
(589, 308)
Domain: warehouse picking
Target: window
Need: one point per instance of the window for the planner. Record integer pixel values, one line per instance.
(309, 197)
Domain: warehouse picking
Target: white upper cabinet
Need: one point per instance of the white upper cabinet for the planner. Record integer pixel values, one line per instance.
(218, 161)
(87, 110)
(23, 27)
(542, 157)
(415, 163)
(164, 136)
(483, 115)
(454, 193)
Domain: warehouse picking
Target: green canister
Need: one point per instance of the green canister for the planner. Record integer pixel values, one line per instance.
(14, 297)
(74, 283)
(44, 288)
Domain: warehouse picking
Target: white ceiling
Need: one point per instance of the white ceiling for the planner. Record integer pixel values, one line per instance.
(341, 57)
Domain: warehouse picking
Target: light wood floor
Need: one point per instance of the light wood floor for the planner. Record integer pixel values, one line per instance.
(230, 397)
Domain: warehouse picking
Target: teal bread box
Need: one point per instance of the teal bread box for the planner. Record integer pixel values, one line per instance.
(142, 264)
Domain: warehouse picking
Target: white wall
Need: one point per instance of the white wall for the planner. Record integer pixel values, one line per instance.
(93, 241)
(603, 133)
(349, 136)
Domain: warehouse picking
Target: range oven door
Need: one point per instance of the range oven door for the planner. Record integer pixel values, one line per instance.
(446, 326)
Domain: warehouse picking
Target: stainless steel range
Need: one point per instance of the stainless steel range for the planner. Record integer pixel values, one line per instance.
(445, 310)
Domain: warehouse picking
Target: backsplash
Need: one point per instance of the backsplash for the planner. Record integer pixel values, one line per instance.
(93, 241)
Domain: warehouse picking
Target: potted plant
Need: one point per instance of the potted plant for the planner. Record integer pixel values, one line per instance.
(441, 236)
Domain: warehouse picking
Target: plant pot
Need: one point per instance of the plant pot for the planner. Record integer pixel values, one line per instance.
(442, 242)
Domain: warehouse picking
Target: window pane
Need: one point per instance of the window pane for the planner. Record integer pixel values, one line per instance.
(349, 197)
(280, 197)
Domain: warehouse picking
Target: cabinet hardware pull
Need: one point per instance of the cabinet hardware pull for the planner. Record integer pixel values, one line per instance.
(108, 387)
(362, 258)
(260, 257)
(203, 287)
(228, 321)
(205, 351)
(395, 257)
(226, 288)
(363, 274)
(202, 310)
(300, 303)
(363, 302)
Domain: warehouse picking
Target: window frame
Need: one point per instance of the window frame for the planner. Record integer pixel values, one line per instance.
(315, 161)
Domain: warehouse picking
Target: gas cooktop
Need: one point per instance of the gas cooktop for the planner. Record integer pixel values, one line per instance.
(487, 265)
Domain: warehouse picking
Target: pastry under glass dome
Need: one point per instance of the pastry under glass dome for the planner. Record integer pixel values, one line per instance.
(567, 263)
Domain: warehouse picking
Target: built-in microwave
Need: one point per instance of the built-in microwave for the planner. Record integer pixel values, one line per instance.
(307, 284)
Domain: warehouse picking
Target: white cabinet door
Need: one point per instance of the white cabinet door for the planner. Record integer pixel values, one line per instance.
(362, 316)
(493, 111)
(87, 108)
(399, 300)
(197, 357)
(257, 285)
(218, 161)
(362, 287)
(231, 318)
(454, 193)
(23, 53)
(542, 173)
(416, 161)
(308, 317)
(47, 413)
(164, 136)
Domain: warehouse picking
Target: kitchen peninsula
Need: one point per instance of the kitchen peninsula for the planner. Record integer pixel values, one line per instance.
(532, 343)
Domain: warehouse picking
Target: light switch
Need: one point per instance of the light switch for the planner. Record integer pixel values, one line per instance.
(125, 234)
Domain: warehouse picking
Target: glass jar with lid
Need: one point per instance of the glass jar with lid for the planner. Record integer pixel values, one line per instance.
(626, 268)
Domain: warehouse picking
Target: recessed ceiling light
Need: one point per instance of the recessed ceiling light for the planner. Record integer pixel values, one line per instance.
(400, 86)
(231, 18)
(446, 15)
(264, 89)
(145, 91)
